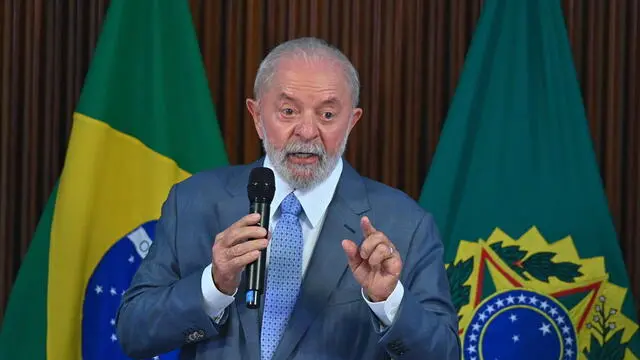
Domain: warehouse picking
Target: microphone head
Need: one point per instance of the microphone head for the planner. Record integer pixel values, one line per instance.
(262, 185)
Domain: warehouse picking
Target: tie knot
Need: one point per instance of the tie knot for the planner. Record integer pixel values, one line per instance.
(291, 205)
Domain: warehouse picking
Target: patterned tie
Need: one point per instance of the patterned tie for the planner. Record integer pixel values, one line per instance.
(284, 275)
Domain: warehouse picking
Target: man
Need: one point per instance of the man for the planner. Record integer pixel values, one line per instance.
(355, 268)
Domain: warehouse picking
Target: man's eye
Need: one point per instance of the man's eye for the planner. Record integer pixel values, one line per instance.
(328, 115)
(287, 111)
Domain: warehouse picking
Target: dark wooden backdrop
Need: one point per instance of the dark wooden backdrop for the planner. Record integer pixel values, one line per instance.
(409, 56)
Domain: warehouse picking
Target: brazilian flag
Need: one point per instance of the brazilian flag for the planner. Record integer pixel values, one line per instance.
(532, 256)
(144, 121)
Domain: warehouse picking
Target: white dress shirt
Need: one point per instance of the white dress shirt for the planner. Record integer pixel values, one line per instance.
(314, 203)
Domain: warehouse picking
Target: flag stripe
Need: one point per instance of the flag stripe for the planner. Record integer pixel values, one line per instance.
(31, 285)
(98, 203)
(151, 70)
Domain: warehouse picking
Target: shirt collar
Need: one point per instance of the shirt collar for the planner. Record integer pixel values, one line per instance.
(314, 201)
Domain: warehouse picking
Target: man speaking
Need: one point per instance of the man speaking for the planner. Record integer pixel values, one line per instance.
(353, 269)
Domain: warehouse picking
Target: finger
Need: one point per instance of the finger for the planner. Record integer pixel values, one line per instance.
(351, 250)
(247, 220)
(366, 226)
(370, 243)
(392, 265)
(239, 235)
(245, 247)
(382, 252)
(240, 262)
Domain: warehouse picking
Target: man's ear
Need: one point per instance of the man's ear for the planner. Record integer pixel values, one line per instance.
(356, 114)
(254, 109)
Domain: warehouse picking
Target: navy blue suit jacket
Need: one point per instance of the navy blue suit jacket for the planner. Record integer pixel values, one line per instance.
(163, 309)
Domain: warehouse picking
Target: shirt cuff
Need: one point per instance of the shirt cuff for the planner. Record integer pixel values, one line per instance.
(215, 302)
(386, 310)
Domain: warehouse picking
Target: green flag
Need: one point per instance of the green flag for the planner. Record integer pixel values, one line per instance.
(532, 255)
(144, 121)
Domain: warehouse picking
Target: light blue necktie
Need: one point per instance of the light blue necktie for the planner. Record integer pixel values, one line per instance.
(284, 275)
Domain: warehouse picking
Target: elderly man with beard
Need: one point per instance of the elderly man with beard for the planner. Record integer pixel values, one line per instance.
(354, 268)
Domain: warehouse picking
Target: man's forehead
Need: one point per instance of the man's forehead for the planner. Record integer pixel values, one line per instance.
(316, 62)
(327, 82)
(317, 69)
(328, 97)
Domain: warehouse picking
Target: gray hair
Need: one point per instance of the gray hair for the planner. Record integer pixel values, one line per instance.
(307, 47)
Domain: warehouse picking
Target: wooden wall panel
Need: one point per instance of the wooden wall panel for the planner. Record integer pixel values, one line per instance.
(409, 57)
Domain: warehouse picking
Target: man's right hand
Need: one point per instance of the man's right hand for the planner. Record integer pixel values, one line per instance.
(231, 252)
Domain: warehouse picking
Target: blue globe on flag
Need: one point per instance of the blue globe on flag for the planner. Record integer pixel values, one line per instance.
(509, 324)
(104, 292)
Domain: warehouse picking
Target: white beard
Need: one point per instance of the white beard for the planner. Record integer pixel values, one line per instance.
(303, 176)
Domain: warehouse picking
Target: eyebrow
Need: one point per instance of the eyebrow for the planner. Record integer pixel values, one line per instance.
(331, 100)
(284, 96)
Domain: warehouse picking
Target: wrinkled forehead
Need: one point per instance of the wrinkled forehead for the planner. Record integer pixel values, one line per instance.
(298, 75)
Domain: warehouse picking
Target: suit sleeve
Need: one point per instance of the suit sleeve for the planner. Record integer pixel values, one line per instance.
(425, 325)
(163, 310)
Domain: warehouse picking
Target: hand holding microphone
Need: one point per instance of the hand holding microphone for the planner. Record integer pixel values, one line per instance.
(243, 244)
(232, 252)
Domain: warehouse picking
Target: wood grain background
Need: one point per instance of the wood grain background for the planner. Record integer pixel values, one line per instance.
(409, 57)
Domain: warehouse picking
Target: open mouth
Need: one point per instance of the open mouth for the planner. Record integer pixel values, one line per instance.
(303, 158)
(302, 155)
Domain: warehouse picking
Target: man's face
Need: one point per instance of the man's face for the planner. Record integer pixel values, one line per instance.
(304, 118)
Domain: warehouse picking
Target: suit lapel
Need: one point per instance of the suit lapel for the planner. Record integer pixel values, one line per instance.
(328, 262)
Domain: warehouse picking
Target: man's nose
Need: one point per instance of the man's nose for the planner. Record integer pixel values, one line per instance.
(307, 128)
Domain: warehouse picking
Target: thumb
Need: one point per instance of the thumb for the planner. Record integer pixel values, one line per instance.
(353, 255)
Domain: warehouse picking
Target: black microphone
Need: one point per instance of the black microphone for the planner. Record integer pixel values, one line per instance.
(260, 189)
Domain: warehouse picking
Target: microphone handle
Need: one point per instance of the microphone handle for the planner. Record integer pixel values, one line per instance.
(255, 271)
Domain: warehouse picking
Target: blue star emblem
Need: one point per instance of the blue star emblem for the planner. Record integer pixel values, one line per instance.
(520, 324)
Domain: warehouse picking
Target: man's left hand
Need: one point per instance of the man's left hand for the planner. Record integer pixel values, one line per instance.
(376, 265)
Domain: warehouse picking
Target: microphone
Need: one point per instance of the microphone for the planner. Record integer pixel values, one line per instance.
(260, 189)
